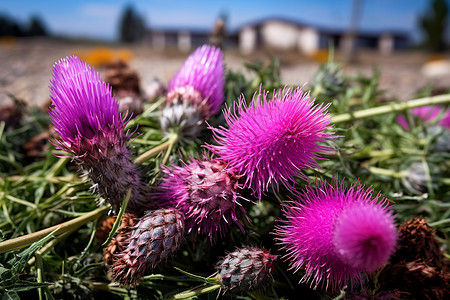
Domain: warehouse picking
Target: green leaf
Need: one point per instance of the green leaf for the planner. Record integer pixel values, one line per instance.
(10, 276)
(10, 295)
(119, 217)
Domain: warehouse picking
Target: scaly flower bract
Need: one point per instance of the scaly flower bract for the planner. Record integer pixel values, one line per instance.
(272, 140)
(246, 269)
(337, 233)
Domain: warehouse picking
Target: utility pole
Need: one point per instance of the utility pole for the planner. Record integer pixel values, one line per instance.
(349, 41)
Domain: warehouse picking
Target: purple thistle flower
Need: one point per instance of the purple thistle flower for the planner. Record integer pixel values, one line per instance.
(426, 114)
(206, 193)
(86, 116)
(200, 81)
(271, 140)
(337, 233)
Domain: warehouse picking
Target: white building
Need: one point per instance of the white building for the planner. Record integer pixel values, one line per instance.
(287, 35)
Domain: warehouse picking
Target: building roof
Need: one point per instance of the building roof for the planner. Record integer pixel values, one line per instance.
(325, 30)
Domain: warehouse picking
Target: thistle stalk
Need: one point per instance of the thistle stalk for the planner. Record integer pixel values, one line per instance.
(57, 230)
(392, 107)
(156, 150)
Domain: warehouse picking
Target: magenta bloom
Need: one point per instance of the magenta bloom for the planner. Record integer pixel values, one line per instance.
(86, 117)
(206, 193)
(426, 114)
(200, 80)
(337, 233)
(271, 140)
(85, 113)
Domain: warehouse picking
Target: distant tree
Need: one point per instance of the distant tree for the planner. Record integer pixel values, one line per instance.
(36, 27)
(10, 27)
(132, 26)
(434, 23)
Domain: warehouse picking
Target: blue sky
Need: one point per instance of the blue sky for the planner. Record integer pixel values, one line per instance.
(100, 18)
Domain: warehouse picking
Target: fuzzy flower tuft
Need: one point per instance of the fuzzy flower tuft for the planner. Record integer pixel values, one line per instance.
(85, 113)
(337, 233)
(86, 117)
(271, 140)
(207, 194)
(201, 80)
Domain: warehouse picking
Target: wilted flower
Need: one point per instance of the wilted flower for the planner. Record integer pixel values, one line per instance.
(272, 140)
(246, 269)
(86, 117)
(200, 81)
(426, 114)
(155, 236)
(337, 233)
(206, 193)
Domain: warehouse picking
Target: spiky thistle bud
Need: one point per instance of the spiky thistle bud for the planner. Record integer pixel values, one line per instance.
(155, 236)
(86, 117)
(246, 269)
(337, 233)
(206, 193)
(271, 140)
(328, 81)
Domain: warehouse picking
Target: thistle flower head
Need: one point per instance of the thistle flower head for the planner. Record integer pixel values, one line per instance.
(337, 233)
(206, 193)
(246, 269)
(271, 140)
(86, 116)
(200, 80)
(85, 113)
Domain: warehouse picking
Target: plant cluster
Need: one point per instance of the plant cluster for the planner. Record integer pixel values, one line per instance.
(227, 185)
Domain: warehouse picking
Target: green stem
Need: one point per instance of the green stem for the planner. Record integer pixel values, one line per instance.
(392, 107)
(20, 201)
(39, 276)
(69, 226)
(196, 292)
(57, 179)
(385, 172)
(440, 222)
(154, 151)
(169, 150)
(48, 247)
(57, 167)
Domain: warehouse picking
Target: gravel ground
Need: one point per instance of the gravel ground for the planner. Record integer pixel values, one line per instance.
(26, 68)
